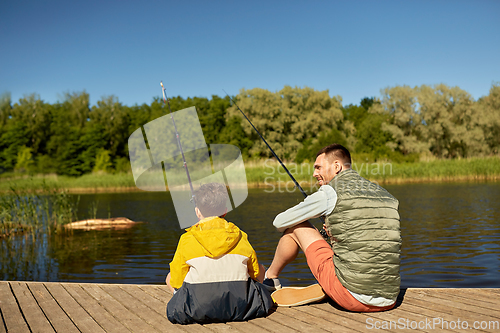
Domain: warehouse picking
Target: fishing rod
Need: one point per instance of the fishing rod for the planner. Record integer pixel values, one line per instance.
(166, 101)
(297, 185)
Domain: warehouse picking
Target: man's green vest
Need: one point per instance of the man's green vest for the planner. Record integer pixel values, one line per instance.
(366, 237)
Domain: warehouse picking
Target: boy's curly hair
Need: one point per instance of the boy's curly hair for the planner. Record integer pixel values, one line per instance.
(211, 199)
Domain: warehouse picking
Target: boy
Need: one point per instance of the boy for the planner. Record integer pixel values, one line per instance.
(214, 271)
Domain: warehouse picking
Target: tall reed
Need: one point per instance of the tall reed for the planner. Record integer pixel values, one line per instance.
(24, 210)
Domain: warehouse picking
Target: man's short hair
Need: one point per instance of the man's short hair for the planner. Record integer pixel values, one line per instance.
(336, 151)
(211, 199)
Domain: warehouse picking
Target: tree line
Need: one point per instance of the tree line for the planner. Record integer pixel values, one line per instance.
(404, 123)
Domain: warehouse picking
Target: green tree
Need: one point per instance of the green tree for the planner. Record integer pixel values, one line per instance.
(77, 107)
(94, 139)
(356, 114)
(371, 137)
(311, 147)
(114, 118)
(5, 109)
(102, 161)
(213, 118)
(13, 137)
(138, 116)
(69, 119)
(451, 121)
(36, 115)
(234, 134)
(489, 109)
(24, 161)
(78, 155)
(45, 164)
(69, 158)
(286, 118)
(404, 121)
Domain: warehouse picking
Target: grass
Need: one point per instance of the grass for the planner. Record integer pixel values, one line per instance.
(440, 171)
(385, 172)
(85, 183)
(260, 173)
(22, 209)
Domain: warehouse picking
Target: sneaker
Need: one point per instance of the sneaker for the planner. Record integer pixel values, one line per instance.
(271, 284)
(294, 296)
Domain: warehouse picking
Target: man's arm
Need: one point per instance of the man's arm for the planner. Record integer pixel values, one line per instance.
(317, 204)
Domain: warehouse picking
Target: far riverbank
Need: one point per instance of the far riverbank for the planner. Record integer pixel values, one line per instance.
(270, 173)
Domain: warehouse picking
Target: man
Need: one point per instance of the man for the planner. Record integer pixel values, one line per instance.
(360, 269)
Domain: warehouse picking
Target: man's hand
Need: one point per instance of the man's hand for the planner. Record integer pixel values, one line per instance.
(325, 234)
(326, 230)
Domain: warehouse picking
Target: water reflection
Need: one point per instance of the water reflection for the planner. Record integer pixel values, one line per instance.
(451, 238)
(451, 234)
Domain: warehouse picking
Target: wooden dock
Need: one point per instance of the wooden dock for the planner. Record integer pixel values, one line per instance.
(90, 307)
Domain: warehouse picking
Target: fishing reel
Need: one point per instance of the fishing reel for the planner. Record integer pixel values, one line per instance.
(323, 234)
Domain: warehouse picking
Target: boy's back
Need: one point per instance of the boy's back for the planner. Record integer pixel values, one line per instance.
(214, 269)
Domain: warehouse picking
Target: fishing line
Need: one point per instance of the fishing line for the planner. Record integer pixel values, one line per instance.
(297, 185)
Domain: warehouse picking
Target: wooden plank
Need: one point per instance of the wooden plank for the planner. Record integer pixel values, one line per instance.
(446, 310)
(78, 315)
(121, 313)
(3, 329)
(221, 327)
(12, 316)
(246, 326)
(328, 319)
(34, 316)
(400, 318)
(359, 321)
(54, 313)
(364, 321)
(435, 311)
(284, 317)
(272, 326)
(45, 307)
(481, 306)
(490, 300)
(144, 294)
(91, 305)
(160, 306)
(356, 321)
(316, 321)
(474, 291)
(408, 311)
(455, 302)
(147, 314)
(446, 318)
(158, 293)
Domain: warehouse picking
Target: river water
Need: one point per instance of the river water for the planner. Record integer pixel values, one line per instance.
(451, 238)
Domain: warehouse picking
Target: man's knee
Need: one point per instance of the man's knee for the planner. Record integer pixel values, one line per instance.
(289, 233)
(298, 228)
(304, 234)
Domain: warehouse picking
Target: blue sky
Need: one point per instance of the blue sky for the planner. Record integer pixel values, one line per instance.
(198, 48)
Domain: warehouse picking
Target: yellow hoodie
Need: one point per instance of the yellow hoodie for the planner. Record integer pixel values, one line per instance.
(213, 250)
